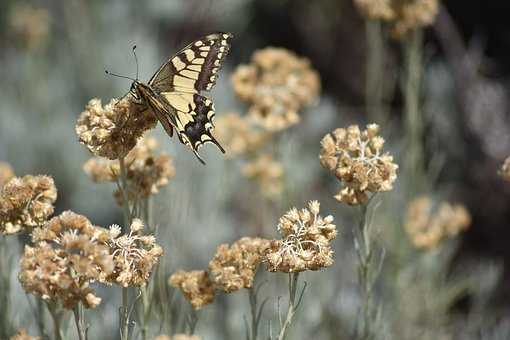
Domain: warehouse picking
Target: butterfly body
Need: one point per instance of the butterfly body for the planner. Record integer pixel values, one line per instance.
(174, 92)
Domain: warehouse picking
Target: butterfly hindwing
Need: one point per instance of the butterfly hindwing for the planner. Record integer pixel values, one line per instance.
(194, 118)
(195, 67)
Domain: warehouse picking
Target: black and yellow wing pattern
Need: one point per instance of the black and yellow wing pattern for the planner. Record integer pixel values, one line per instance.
(178, 84)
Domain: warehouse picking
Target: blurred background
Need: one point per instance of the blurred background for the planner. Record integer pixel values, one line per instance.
(53, 56)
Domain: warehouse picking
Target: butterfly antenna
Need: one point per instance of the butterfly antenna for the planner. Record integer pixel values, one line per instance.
(136, 60)
(117, 75)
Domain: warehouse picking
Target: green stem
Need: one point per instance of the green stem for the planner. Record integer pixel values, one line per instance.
(125, 196)
(56, 318)
(124, 330)
(374, 71)
(293, 282)
(252, 296)
(145, 312)
(79, 319)
(413, 118)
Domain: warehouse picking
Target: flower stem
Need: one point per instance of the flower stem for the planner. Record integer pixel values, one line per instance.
(79, 319)
(57, 331)
(145, 311)
(374, 71)
(124, 315)
(125, 196)
(293, 282)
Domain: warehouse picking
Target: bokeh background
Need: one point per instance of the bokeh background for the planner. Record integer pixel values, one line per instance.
(53, 55)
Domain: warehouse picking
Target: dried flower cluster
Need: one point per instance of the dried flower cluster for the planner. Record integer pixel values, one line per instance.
(146, 171)
(195, 285)
(23, 335)
(306, 241)
(267, 172)
(26, 202)
(234, 267)
(238, 135)
(427, 223)
(6, 173)
(113, 130)
(30, 25)
(276, 84)
(405, 15)
(177, 337)
(69, 254)
(356, 159)
(504, 172)
(134, 255)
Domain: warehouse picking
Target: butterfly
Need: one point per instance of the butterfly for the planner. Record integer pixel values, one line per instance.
(173, 93)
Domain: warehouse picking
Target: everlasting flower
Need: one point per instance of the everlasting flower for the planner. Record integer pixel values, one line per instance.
(113, 130)
(68, 256)
(23, 335)
(6, 173)
(427, 224)
(376, 9)
(356, 159)
(146, 172)
(195, 285)
(26, 202)
(306, 241)
(238, 135)
(505, 170)
(267, 172)
(134, 255)
(276, 84)
(234, 267)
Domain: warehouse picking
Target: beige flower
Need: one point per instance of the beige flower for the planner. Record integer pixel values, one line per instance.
(428, 223)
(195, 285)
(234, 267)
(376, 9)
(504, 172)
(356, 159)
(267, 172)
(134, 255)
(23, 335)
(67, 257)
(146, 171)
(26, 203)
(306, 241)
(6, 173)
(276, 85)
(113, 130)
(238, 135)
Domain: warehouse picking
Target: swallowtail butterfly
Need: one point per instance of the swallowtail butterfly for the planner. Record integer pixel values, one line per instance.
(174, 91)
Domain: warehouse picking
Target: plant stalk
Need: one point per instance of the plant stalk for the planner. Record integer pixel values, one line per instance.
(374, 71)
(293, 282)
(79, 319)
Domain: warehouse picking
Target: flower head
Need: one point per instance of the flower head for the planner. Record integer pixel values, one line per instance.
(6, 173)
(238, 135)
(67, 257)
(26, 202)
(134, 255)
(306, 241)
(504, 172)
(267, 172)
(195, 285)
(428, 223)
(356, 159)
(146, 171)
(23, 335)
(376, 9)
(276, 84)
(234, 267)
(113, 130)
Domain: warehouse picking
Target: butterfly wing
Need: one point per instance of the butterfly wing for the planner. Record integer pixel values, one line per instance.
(195, 67)
(194, 115)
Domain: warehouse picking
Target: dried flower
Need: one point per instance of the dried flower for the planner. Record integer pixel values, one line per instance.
(26, 202)
(267, 172)
(276, 84)
(6, 173)
(113, 130)
(23, 335)
(69, 254)
(195, 285)
(146, 172)
(376, 9)
(234, 267)
(238, 135)
(306, 241)
(505, 170)
(134, 255)
(30, 25)
(427, 223)
(356, 159)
